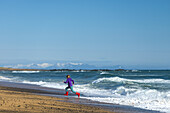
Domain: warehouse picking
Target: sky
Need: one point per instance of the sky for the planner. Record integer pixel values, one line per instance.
(122, 32)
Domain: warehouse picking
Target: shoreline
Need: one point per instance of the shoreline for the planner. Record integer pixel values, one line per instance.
(79, 70)
(57, 95)
(60, 70)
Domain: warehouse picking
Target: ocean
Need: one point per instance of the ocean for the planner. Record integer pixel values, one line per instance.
(147, 89)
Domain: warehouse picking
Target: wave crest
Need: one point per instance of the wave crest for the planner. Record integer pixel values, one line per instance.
(4, 78)
(118, 79)
(25, 71)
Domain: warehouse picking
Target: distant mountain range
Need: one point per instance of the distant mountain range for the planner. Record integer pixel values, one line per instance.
(79, 65)
(60, 66)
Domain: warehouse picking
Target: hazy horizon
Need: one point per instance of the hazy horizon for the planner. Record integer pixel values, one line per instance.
(93, 64)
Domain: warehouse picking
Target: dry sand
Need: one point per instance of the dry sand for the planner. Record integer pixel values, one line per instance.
(18, 101)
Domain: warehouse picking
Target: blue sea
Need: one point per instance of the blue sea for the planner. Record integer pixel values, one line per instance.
(147, 89)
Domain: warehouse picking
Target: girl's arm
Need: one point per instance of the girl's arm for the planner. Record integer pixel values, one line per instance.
(72, 81)
(66, 81)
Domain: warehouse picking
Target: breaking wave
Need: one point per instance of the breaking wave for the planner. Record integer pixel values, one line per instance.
(118, 79)
(4, 78)
(142, 98)
(25, 71)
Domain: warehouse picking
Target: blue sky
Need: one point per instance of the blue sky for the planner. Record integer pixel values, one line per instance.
(123, 32)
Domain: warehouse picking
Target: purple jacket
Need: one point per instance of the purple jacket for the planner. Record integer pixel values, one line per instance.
(69, 81)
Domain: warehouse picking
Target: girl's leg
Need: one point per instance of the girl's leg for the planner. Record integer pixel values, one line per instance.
(72, 89)
(67, 88)
(66, 91)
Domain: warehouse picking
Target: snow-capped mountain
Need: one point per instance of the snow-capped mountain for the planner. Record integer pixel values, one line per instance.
(53, 66)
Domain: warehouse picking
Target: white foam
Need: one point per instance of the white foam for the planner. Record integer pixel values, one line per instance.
(118, 79)
(47, 84)
(25, 71)
(104, 73)
(36, 83)
(147, 99)
(135, 71)
(87, 90)
(4, 78)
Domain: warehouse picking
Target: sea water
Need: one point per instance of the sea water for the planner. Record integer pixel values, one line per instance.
(139, 88)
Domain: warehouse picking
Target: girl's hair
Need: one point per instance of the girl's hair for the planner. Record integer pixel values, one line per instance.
(68, 76)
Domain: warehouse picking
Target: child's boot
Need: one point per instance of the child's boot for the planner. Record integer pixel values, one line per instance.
(78, 94)
(66, 93)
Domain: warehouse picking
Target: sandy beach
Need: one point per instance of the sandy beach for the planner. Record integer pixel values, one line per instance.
(17, 100)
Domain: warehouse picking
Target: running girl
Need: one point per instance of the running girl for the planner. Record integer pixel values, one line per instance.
(70, 85)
